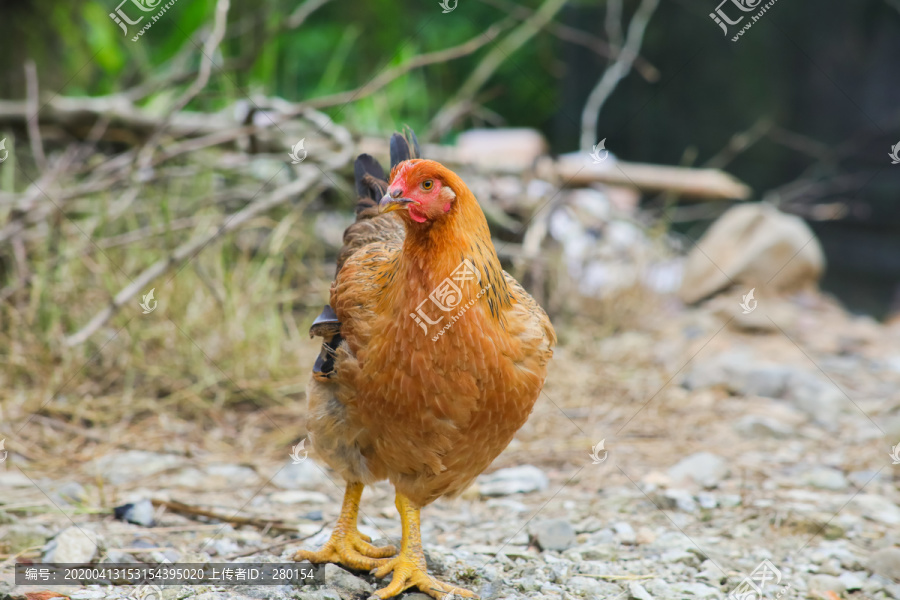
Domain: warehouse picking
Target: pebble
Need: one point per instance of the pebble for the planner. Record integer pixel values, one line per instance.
(134, 465)
(817, 397)
(707, 500)
(303, 475)
(703, 468)
(72, 545)
(877, 508)
(645, 535)
(825, 478)
(348, 586)
(638, 592)
(624, 533)
(825, 583)
(139, 513)
(553, 534)
(515, 480)
(756, 427)
(853, 581)
(299, 497)
(698, 590)
(680, 499)
(885, 562)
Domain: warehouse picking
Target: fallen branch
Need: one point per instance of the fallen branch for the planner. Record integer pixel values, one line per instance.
(577, 170)
(188, 250)
(193, 511)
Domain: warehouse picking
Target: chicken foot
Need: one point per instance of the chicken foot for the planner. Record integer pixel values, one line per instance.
(409, 568)
(347, 546)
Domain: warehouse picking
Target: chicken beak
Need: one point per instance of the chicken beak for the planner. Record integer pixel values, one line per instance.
(393, 201)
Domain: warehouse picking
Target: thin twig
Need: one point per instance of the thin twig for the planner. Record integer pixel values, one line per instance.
(206, 63)
(450, 112)
(193, 511)
(31, 100)
(590, 116)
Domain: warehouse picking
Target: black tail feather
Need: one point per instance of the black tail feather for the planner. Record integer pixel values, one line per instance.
(404, 147)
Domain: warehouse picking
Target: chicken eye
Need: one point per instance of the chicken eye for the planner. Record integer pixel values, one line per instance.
(427, 184)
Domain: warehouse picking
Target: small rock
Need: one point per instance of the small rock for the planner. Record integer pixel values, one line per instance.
(680, 499)
(697, 590)
(133, 465)
(624, 533)
(816, 396)
(645, 536)
(852, 581)
(139, 513)
(73, 545)
(885, 562)
(752, 426)
(71, 492)
(825, 478)
(707, 500)
(877, 508)
(825, 583)
(637, 591)
(299, 497)
(704, 468)
(594, 588)
(710, 572)
(553, 534)
(303, 475)
(348, 586)
(516, 480)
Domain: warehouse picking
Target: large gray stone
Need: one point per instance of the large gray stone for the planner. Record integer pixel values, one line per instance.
(753, 245)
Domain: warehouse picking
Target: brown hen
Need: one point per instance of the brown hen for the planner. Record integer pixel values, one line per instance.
(432, 360)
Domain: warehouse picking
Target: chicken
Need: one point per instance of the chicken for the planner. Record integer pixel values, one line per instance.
(433, 358)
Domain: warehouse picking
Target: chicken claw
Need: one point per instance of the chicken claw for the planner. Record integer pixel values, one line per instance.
(409, 568)
(347, 546)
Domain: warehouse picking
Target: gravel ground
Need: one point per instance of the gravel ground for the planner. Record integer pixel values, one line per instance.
(728, 440)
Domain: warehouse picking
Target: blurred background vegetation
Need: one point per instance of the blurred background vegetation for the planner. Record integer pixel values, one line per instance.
(817, 84)
(804, 109)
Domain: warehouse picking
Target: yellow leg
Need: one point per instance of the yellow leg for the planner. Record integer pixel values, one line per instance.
(409, 568)
(347, 546)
